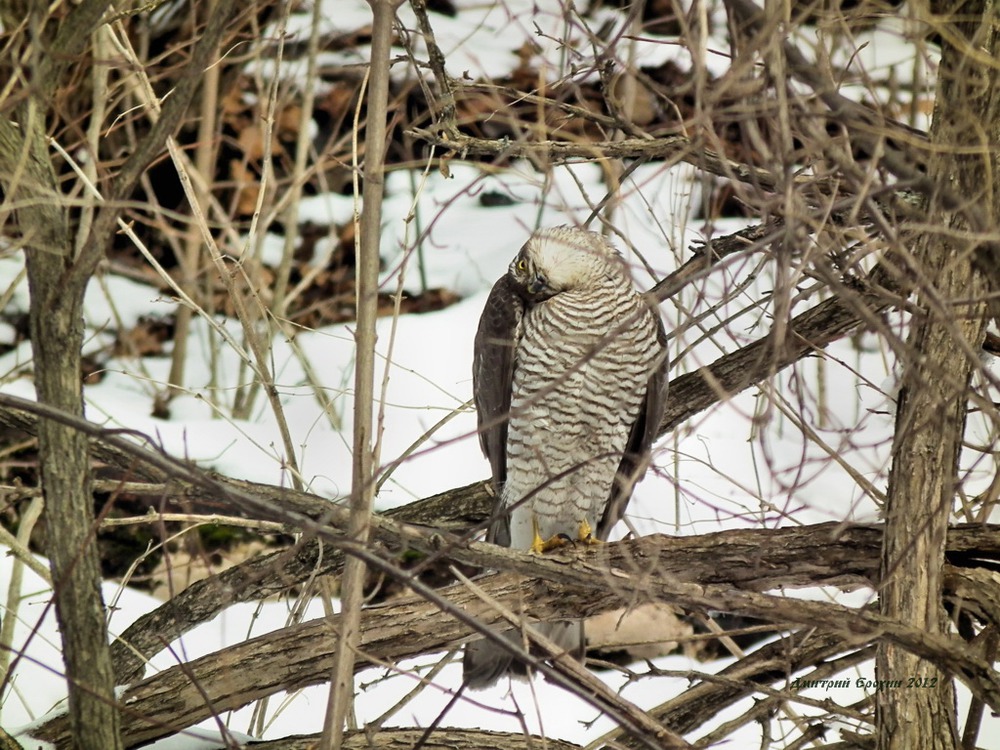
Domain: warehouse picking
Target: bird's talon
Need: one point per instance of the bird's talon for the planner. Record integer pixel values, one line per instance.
(537, 543)
(586, 533)
(559, 540)
(540, 546)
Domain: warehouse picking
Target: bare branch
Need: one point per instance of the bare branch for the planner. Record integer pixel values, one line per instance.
(443, 738)
(646, 569)
(676, 147)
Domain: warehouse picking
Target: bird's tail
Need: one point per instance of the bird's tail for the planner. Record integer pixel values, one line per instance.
(484, 662)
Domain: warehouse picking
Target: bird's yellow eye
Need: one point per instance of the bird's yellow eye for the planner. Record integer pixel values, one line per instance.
(521, 265)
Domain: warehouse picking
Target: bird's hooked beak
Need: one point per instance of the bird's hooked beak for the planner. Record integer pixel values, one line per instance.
(537, 284)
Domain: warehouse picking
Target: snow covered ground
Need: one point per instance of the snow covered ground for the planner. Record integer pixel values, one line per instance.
(743, 463)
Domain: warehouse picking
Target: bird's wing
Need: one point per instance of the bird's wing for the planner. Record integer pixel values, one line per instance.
(492, 378)
(640, 439)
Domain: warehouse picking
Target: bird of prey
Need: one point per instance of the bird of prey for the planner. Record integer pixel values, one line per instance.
(569, 381)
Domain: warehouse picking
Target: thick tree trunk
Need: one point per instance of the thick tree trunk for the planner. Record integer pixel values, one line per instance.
(945, 335)
(57, 338)
(929, 427)
(57, 282)
(56, 325)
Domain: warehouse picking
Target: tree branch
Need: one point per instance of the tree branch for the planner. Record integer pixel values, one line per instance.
(684, 572)
(677, 147)
(443, 738)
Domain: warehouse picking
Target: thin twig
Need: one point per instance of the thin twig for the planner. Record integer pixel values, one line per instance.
(369, 232)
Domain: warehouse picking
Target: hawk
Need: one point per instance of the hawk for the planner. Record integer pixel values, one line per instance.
(569, 381)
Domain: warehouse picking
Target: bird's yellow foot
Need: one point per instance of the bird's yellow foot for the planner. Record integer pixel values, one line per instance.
(540, 546)
(586, 533)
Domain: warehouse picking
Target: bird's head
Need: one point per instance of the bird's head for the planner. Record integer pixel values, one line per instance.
(561, 259)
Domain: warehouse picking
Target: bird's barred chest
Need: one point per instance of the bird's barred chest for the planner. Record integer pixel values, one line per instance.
(581, 368)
